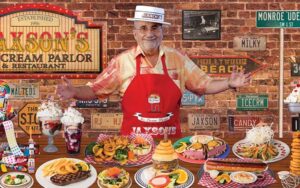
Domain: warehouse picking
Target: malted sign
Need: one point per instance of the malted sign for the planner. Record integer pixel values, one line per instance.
(197, 121)
(43, 38)
(249, 43)
(25, 91)
(223, 65)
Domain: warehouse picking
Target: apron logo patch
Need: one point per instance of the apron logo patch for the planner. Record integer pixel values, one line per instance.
(154, 101)
(153, 120)
(154, 130)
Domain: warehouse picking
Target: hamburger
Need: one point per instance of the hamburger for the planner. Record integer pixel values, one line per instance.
(165, 158)
(113, 177)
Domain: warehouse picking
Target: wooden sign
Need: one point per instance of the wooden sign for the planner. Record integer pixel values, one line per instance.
(48, 41)
(223, 65)
(249, 43)
(248, 102)
(242, 122)
(106, 121)
(190, 99)
(27, 118)
(203, 121)
(25, 91)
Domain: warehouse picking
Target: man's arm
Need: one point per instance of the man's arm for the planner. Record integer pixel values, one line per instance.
(236, 80)
(68, 91)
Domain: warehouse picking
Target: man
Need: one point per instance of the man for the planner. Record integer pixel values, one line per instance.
(150, 78)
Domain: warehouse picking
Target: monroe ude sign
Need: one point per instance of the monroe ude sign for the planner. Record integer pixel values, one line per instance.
(43, 38)
(278, 19)
(223, 65)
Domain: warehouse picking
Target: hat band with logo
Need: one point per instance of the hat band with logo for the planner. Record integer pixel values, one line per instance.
(149, 14)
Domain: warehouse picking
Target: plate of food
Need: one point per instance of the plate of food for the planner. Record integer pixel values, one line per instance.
(66, 172)
(164, 171)
(16, 179)
(235, 172)
(112, 150)
(259, 144)
(196, 149)
(114, 177)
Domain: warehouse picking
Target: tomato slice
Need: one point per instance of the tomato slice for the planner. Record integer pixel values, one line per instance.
(160, 181)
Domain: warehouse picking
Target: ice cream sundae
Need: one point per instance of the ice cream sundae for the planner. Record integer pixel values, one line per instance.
(49, 114)
(72, 121)
(294, 96)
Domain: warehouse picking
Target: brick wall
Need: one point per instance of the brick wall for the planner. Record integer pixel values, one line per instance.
(238, 19)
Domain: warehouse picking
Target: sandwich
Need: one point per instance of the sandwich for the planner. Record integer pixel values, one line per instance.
(165, 158)
(113, 177)
(232, 165)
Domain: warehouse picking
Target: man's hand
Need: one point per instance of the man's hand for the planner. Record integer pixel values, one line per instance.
(65, 90)
(238, 79)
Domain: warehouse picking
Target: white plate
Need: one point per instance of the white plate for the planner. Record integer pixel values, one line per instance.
(283, 150)
(128, 185)
(28, 184)
(46, 182)
(233, 174)
(140, 178)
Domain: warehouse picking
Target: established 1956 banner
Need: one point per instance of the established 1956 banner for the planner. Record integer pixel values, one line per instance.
(43, 38)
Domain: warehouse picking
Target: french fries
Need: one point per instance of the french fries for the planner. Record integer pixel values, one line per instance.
(60, 166)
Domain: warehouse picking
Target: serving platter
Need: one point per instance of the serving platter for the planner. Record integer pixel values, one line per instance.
(28, 184)
(141, 159)
(140, 178)
(282, 148)
(46, 182)
(187, 140)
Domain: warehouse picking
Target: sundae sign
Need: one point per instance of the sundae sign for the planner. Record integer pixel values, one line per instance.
(43, 38)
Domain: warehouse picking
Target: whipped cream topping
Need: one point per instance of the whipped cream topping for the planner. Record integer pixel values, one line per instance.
(49, 109)
(294, 97)
(72, 116)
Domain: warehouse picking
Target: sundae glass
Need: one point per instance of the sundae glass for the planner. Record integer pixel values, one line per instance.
(72, 121)
(49, 114)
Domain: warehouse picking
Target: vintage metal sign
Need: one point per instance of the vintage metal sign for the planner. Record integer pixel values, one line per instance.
(106, 121)
(278, 19)
(39, 40)
(190, 99)
(197, 121)
(249, 43)
(25, 91)
(242, 122)
(252, 102)
(295, 69)
(223, 65)
(91, 104)
(27, 118)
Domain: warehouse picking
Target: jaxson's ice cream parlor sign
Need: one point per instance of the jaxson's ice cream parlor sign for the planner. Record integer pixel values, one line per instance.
(46, 41)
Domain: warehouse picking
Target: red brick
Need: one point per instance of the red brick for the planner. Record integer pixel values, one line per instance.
(274, 6)
(79, 6)
(257, 6)
(236, 22)
(244, 14)
(212, 6)
(288, 6)
(234, 6)
(187, 6)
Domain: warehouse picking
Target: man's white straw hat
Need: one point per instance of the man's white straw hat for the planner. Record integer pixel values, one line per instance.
(149, 14)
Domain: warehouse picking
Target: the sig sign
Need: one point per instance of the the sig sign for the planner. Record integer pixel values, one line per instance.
(27, 118)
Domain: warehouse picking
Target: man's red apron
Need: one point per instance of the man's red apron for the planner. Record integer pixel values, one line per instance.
(151, 104)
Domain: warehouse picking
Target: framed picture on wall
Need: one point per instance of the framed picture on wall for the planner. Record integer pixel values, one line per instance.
(201, 24)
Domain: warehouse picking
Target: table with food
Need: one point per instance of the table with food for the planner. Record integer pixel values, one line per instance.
(63, 157)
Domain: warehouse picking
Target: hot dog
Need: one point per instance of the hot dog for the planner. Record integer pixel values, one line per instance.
(231, 165)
